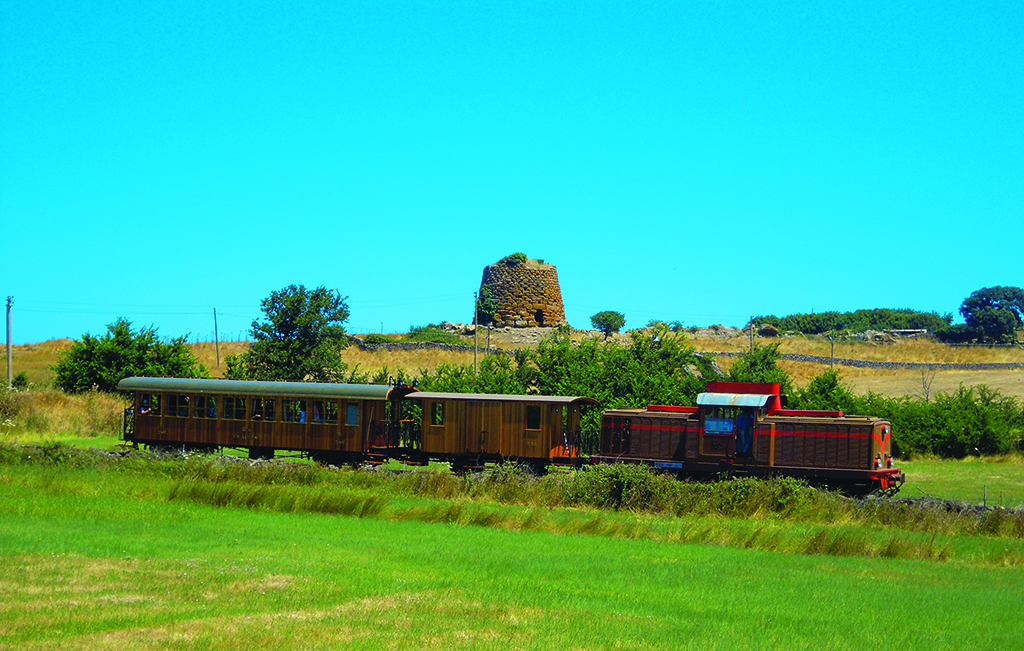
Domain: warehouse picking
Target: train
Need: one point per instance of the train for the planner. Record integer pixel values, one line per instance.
(742, 429)
(735, 429)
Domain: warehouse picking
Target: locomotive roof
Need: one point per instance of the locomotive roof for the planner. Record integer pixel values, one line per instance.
(426, 395)
(734, 399)
(252, 387)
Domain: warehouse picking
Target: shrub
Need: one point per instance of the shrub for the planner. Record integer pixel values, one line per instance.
(513, 259)
(101, 362)
(432, 333)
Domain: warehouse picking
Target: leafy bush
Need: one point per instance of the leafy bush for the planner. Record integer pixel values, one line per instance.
(971, 420)
(101, 362)
(761, 365)
(859, 321)
(432, 334)
(513, 259)
(374, 339)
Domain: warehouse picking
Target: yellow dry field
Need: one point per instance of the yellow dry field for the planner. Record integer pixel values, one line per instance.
(36, 359)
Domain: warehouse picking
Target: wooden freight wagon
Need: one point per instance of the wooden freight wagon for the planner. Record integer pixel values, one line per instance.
(742, 429)
(469, 430)
(328, 422)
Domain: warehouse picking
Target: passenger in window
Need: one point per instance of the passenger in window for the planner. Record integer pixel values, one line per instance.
(144, 409)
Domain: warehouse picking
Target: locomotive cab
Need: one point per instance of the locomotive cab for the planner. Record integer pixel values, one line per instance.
(729, 415)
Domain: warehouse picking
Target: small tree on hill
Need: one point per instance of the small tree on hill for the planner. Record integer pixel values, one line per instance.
(104, 361)
(994, 313)
(608, 322)
(300, 338)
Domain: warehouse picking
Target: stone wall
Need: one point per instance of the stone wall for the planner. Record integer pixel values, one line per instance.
(526, 294)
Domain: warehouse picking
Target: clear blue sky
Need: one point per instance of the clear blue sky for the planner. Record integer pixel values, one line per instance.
(692, 161)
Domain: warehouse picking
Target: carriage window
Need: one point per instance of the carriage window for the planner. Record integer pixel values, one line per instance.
(234, 408)
(150, 404)
(532, 416)
(263, 409)
(205, 407)
(437, 413)
(177, 405)
(352, 413)
(325, 411)
(293, 411)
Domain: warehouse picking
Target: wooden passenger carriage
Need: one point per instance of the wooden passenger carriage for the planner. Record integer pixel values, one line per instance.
(469, 430)
(741, 429)
(330, 422)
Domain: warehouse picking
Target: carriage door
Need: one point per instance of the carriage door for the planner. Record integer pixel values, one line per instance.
(483, 427)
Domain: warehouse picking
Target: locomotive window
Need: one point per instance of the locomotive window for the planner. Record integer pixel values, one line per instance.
(205, 407)
(352, 413)
(437, 413)
(293, 411)
(532, 416)
(234, 408)
(719, 420)
(149, 404)
(263, 409)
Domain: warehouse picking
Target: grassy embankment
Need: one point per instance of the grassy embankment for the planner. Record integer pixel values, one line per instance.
(150, 553)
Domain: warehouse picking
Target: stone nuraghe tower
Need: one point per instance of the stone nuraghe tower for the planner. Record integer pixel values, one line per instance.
(519, 292)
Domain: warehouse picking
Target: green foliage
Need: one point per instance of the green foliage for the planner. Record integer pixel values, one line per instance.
(658, 369)
(994, 313)
(761, 365)
(825, 392)
(432, 334)
(608, 322)
(300, 338)
(375, 339)
(103, 361)
(486, 304)
(858, 321)
(513, 259)
(969, 421)
(20, 381)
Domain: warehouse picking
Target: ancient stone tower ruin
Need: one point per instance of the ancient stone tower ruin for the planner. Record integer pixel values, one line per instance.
(519, 292)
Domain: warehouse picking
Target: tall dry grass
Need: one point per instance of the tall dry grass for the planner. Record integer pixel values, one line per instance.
(35, 360)
(206, 353)
(51, 411)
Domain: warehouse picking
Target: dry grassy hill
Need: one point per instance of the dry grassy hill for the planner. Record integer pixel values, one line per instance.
(35, 359)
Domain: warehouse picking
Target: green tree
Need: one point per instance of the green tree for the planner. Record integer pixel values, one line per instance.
(825, 391)
(761, 365)
(300, 338)
(608, 322)
(994, 313)
(105, 360)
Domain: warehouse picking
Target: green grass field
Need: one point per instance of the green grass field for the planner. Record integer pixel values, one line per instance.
(117, 556)
(970, 479)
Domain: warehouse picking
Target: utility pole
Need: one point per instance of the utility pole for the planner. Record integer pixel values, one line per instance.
(476, 328)
(10, 302)
(751, 333)
(216, 338)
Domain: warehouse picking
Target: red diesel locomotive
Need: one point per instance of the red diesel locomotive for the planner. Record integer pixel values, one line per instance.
(742, 429)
